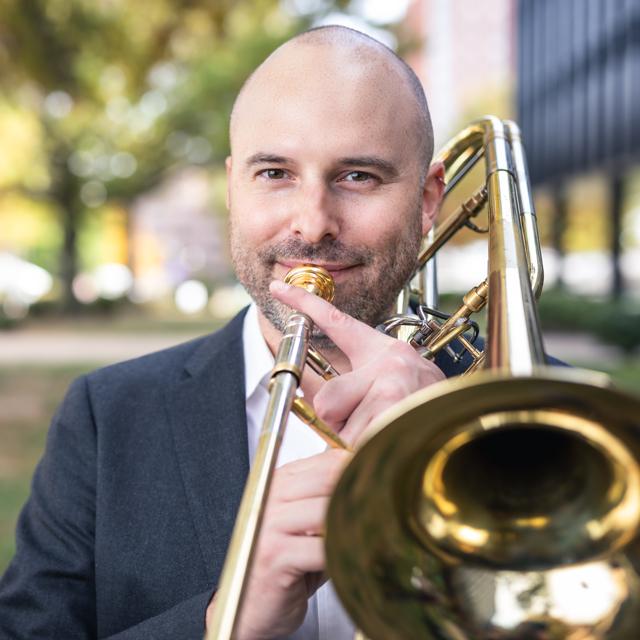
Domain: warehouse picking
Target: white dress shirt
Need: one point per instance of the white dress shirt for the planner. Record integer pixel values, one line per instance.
(325, 619)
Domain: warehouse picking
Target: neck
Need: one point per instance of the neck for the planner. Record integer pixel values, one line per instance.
(311, 382)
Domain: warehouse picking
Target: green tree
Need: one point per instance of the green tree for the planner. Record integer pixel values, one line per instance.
(124, 92)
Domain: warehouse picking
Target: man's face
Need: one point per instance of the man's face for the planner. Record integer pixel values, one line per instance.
(325, 169)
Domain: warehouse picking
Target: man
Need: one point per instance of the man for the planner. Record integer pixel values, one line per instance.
(134, 501)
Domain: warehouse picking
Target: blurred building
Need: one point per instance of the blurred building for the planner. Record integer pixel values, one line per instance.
(466, 58)
(578, 89)
(568, 71)
(176, 236)
(464, 54)
(578, 98)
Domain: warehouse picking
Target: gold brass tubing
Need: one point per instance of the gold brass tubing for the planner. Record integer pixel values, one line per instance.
(285, 377)
(476, 298)
(239, 555)
(462, 168)
(472, 302)
(470, 348)
(404, 333)
(456, 155)
(527, 210)
(468, 209)
(477, 364)
(403, 301)
(320, 364)
(307, 414)
(293, 346)
(313, 279)
(534, 254)
(428, 279)
(526, 475)
(496, 148)
(514, 342)
(443, 339)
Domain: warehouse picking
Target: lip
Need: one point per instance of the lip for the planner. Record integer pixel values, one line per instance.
(333, 268)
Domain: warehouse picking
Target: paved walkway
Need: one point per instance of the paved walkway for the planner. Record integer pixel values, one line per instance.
(39, 346)
(581, 348)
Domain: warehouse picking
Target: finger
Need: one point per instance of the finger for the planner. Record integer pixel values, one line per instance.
(302, 517)
(354, 338)
(385, 392)
(338, 398)
(311, 477)
(370, 409)
(360, 420)
(396, 371)
(301, 554)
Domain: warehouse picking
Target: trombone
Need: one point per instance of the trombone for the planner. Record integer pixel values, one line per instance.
(505, 504)
(501, 487)
(293, 352)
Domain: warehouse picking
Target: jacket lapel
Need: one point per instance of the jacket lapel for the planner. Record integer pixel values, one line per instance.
(207, 412)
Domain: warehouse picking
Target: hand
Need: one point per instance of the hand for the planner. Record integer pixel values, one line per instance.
(289, 558)
(383, 370)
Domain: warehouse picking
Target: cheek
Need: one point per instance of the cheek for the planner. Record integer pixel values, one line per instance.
(382, 232)
(384, 219)
(254, 217)
(252, 226)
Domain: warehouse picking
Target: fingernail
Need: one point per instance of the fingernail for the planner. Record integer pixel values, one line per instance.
(278, 285)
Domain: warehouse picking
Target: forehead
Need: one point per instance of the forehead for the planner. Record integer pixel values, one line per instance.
(326, 100)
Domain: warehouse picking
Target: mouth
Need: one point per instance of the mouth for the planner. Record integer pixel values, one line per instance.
(337, 271)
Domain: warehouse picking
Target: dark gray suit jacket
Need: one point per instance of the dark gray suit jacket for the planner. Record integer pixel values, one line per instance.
(133, 503)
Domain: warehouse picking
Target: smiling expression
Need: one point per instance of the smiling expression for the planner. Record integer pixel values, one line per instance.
(326, 168)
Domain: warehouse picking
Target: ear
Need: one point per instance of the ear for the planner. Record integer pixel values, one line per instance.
(227, 164)
(432, 195)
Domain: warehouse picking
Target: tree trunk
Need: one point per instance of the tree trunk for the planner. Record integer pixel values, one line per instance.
(65, 194)
(617, 196)
(69, 256)
(559, 227)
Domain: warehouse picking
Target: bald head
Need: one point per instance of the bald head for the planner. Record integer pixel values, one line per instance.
(330, 150)
(350, 60)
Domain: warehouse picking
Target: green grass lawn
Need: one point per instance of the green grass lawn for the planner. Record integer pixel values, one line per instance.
(127, 322)
(625, 375)
(28, 398)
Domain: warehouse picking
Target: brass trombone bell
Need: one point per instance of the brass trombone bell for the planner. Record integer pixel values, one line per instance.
(477, 484)
(504, 504)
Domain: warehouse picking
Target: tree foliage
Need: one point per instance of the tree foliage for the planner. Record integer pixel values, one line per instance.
(121, 92)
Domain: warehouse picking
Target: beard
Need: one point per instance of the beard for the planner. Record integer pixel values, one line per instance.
(368, 294)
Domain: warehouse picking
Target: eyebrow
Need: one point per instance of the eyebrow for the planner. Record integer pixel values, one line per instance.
(266, 158)
(374, 162)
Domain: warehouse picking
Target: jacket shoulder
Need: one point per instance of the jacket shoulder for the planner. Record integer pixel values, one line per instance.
(169, 364)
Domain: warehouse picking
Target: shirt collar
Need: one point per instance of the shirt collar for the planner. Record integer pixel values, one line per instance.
(258, 360)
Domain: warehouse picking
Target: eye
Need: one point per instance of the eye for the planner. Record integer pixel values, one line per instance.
(273, 174)
(358, 176)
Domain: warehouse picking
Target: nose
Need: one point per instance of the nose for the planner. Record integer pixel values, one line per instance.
(315, 217)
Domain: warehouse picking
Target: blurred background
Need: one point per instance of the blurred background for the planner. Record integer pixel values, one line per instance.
(113, 134)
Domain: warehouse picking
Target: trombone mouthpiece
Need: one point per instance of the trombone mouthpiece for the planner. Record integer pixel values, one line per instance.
(313, 279)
